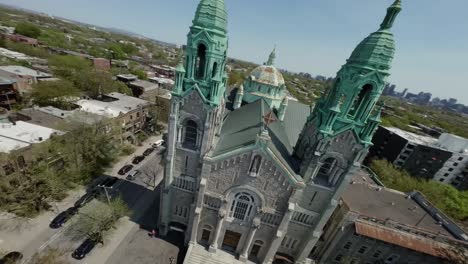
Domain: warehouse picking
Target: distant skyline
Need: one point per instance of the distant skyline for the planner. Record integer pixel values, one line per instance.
(311, 36)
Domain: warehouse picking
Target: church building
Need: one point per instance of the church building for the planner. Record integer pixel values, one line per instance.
(260, 176)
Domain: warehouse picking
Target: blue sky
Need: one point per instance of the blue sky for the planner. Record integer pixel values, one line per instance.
(315, 36)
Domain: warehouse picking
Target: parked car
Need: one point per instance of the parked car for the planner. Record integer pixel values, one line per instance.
(132, 175)
(158, 143)
(138, 159)
(84, 249)
(148, 151)
(11, 258)
(125, 169)
(109, 182)
(88, 197)
(63, 217)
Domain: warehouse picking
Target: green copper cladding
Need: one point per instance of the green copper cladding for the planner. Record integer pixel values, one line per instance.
(392, 13)
(378, 49)
(206, 54)
(359, 84)
(211, 14)
(271, 58)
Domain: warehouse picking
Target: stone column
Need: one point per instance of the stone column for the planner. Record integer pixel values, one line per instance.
(219, 226)
(280, 233)
(193, 229)
(245, 251)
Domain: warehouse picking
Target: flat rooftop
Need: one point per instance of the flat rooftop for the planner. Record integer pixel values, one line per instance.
(20, 70)
(415, 138)
(121, 105)
(21, 134)
(386, 204)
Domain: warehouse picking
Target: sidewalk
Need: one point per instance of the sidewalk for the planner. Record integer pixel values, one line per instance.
(26, 235)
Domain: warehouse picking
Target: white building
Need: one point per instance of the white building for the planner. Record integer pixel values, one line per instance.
(21, 134)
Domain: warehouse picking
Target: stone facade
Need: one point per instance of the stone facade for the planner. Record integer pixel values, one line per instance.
(233, 181)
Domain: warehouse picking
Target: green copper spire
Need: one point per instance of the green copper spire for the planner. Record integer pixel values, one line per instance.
(392, 13)
(271, 58)
(378, 49)
(211, 14)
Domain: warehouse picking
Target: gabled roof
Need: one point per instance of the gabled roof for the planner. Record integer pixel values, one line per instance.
(242, 127)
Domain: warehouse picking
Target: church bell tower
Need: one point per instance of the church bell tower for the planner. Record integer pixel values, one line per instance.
(197, 108)
(338, 133)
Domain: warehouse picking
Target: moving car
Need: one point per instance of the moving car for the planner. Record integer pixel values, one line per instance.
(132, 175)
(125, 169)
(88, 197)
(158, 143)
(84, 249)
(11, 258)
(138, 159)
(109, 182)
(63, 217)
(148, 151)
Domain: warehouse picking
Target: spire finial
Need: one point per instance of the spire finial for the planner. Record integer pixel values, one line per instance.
(272, 57)
(392, 13)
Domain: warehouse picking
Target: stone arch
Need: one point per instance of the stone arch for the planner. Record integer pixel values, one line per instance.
(331, 168)
(258, 197)
(190, 130)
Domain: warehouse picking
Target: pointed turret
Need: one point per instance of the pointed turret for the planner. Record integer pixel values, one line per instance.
(378, 49)
(239, 97)
(271, 58)
(392, 13)
(211, 14)
(283, 108)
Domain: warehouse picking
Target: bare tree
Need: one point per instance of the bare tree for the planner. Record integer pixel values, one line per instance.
(150, 174)
(49, 256)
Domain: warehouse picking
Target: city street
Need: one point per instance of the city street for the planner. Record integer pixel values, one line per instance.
(35, 235)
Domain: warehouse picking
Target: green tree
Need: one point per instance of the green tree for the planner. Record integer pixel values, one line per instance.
(28, 30)
(117, 52)
(97, 218)
(2, 41)
(55, 93)
(445, 197)
(139, 73)
(236, 78)
(95, 83)
(128, 48)
(69, 67)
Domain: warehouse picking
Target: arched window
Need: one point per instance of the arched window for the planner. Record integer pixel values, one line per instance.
(242, 206)
(215, 69)
(191, 134)
(200, 63)
(357, 103)
(324, 174)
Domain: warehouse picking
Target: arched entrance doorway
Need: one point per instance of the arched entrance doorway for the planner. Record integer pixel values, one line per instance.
(281, 258)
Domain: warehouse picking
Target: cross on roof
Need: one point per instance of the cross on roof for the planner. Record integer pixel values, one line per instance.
(268, 119)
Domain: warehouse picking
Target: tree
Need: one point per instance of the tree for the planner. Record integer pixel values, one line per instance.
(55, 93)
(2, 41)
(445, 197)
(117, 52)
(69, 67)
(95, 83)
(28, 30)
(150, 174)
(97, 218)
(49, 256)
(236, 78)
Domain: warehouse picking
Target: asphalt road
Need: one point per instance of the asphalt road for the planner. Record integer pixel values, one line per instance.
(138, 194)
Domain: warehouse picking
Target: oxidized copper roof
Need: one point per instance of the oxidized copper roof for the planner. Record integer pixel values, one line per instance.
(267, 74)
(402, 239)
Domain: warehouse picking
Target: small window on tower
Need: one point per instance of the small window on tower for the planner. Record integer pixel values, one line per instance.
(200, 63)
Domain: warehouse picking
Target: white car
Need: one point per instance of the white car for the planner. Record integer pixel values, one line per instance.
(158, 143)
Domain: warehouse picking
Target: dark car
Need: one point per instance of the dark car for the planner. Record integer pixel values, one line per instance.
(138, 159)
(63, 217)
(84, 249)
(148, 151)
(125, 169)
(11, 258)
(88, 197)
(109, 182)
